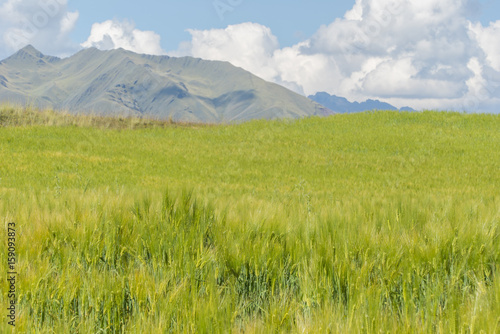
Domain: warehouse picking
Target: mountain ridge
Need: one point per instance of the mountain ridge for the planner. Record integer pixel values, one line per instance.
(342, 105)
(120, 82)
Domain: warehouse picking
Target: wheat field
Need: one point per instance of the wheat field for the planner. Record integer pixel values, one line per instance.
(364, 223)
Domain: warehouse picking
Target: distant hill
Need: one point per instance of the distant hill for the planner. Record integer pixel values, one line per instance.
(342, 105)
(120, 82)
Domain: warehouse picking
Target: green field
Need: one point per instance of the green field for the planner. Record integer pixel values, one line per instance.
(362, 223)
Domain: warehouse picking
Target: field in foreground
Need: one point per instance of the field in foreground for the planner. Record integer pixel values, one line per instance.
(370, 222)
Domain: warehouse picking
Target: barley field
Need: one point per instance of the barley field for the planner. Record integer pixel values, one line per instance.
(378, 222)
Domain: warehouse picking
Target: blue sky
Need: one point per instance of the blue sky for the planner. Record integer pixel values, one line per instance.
(432, 54)
(290, 20)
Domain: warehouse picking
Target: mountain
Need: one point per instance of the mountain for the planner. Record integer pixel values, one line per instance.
(342, 105)
(120, 82)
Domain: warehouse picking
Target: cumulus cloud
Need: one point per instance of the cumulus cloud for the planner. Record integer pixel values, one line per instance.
(247, 45)
(424, 48)
(46, 24)
(489, 40)
(426, 54)
(114, 34)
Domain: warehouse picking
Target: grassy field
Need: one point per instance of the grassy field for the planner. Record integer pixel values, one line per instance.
(363, 223)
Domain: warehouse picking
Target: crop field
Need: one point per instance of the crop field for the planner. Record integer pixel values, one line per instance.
(363, 223)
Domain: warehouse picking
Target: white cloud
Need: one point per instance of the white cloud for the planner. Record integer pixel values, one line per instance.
(113, 34)
(68, 22)
(424, 44)
(44, 23)
(489, 40)
(309, 72)
(425, 54)
(247, 45)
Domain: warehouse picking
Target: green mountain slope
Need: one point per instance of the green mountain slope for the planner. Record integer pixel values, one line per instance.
(120, 82)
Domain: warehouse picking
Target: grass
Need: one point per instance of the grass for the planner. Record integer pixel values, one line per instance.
(372, 222)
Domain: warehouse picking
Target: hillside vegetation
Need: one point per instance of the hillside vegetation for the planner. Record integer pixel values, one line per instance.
(371, 222)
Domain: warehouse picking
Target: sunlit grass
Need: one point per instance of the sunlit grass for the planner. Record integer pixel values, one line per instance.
(372, 222)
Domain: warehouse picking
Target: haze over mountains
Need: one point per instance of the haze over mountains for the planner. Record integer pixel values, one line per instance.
(120, 82)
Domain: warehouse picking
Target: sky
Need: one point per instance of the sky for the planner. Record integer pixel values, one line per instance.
(427, 54)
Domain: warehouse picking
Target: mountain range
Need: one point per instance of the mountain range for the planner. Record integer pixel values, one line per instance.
(119, 82)
(342, 105)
